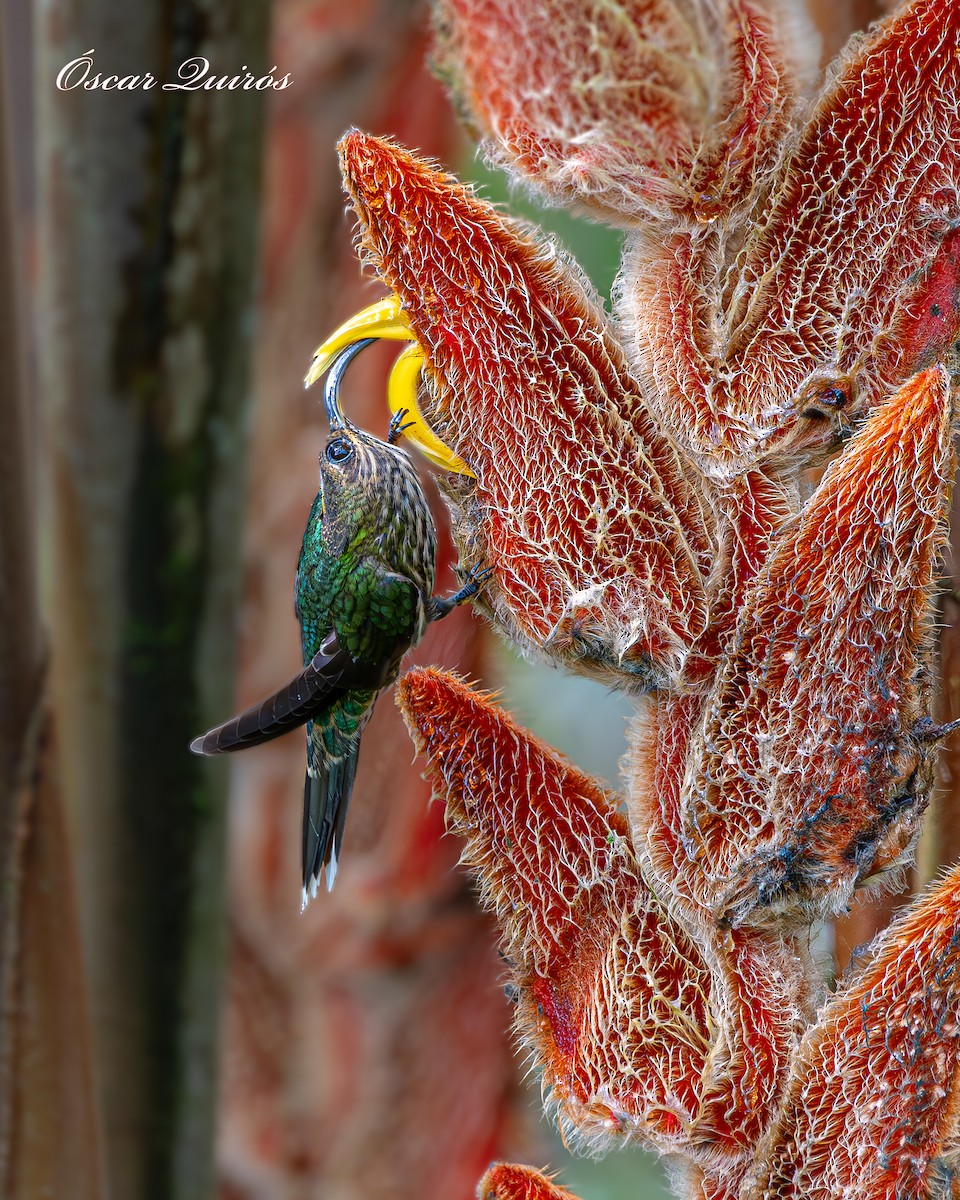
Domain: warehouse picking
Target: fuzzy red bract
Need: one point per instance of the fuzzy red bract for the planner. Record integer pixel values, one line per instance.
(588, 943)
(836, 278)
(644, 496)
(506, 1181)
(626, 108)
(806, 781)
(873, 1097)
(533, 389)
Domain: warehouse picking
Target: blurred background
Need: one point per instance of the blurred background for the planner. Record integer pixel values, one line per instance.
(172, 1025)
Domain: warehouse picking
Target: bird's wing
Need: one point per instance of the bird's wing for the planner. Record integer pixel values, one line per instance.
(330, 673)
(384, 617)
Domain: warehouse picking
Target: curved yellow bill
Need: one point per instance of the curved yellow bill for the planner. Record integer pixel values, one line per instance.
(386, 319)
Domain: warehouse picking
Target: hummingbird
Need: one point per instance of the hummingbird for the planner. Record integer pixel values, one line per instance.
(363, 597)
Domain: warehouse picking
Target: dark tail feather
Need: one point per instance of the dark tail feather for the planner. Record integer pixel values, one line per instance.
(326, 797)
(318, 685)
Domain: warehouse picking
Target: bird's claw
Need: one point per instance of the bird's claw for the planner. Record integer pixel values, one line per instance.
(477, 578)
(398, 425)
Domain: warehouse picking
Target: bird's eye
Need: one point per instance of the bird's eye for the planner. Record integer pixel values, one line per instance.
(339, 450)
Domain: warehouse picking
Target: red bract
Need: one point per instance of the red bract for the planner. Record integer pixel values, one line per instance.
(533, 389)
(643, 495)
(629, 109)
(589, 945)
(812, 765)
(872, 1097)
(833, 282)
(505, 1181)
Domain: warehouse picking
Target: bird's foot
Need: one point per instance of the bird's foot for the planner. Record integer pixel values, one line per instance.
(398, 424)
(928, 730)
(440, 606)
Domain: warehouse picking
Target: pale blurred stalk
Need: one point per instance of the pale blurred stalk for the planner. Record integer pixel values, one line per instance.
(148, 204)
(49, 1144)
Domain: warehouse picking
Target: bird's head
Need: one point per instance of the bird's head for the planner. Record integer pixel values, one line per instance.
(364, 482)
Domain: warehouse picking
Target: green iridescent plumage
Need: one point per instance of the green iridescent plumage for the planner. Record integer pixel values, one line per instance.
(363, 598)
(366, 573)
